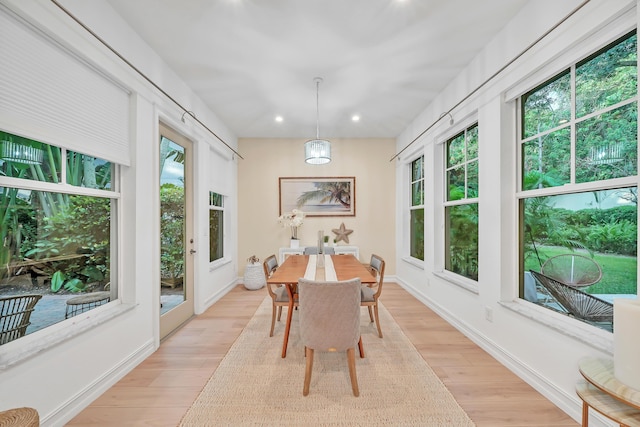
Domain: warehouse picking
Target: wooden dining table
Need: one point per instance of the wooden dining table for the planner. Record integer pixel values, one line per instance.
(294, 267)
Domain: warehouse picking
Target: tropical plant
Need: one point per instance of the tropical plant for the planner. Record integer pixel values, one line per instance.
(172, 231)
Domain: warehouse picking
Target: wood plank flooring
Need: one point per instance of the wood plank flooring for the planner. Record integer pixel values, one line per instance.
(161, 389)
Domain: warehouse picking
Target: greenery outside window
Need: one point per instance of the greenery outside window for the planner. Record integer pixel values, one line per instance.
(461, 204)
(416, 227)
(216, 226)
(55, 240)
(579, 173)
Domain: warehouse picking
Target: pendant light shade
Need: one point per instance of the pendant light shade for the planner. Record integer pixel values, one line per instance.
(317, 151)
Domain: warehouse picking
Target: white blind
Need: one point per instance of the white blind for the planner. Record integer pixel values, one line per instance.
(48, 94)
(219, 171)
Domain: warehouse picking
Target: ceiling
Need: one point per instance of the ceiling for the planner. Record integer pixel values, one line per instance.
(253, 60)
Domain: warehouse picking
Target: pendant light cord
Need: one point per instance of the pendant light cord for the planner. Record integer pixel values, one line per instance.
(318, 80)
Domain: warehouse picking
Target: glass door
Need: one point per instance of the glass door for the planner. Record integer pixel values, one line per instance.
(176, 230)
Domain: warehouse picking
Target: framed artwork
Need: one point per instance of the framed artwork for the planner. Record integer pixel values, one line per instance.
(330, 196)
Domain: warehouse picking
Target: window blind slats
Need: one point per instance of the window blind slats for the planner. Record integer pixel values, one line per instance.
(49, 94)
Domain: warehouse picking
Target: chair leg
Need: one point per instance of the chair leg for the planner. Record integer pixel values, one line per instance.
(273, 319)
(370, 313)
(351, 359)
(307, 371)
(375, 311)
(361, 348)
(279, 312)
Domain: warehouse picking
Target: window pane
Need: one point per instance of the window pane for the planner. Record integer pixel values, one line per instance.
(606, 145)
(601, 225)
(215, 199)
(28, 159)
(54, 243)
(416, 169)
(216, 240)
(417, 234)
(472, 142)
(547, 107)
(455, 151)
(546, 160)
(462, 240)
(87, 171)
(472, 179)
(455, 183)
(172, 231)
(417, 193)
(608, 78)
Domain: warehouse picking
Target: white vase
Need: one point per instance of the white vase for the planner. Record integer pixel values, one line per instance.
(295, 243)
(254, 277)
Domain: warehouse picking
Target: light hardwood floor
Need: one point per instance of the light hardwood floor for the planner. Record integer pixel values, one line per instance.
(162, 388)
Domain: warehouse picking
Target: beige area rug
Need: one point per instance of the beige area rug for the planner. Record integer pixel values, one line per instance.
(254, 386)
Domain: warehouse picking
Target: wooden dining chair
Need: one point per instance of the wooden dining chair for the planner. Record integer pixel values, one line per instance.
(330, 321)
(278, 293)
(371, 293)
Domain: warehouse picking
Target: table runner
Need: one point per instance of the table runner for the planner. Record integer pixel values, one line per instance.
(329, 269)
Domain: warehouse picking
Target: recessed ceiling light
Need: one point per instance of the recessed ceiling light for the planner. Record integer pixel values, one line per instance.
(279, 119)
(355, 118)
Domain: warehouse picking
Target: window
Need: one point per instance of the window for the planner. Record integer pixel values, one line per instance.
(578, 175)
(416, 227)
(461, 204)
(216, 226)
(56, 239)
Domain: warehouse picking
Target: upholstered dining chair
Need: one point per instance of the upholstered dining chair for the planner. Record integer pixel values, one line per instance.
(278, 293)
(330, 321)
(313, 250)
(371, 293)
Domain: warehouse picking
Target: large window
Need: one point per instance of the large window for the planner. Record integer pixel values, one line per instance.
(416, 227)
(461, 204)
(216, 226)
(56, 225)
(578, 198)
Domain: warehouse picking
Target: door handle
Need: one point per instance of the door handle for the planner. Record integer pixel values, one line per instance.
(192, 251)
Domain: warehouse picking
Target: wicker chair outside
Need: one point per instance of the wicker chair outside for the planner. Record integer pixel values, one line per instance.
(573, 270)
(15, 312)
(578, 304)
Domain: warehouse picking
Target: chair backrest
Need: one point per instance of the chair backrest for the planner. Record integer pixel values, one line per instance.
(329, 314)
(572, 269)
(377, 266)
(313, 250)
(270, 265)
(579, 304)
(15, 312)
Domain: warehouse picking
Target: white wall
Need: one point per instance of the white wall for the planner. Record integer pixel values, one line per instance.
(78, 359)
(540, 346)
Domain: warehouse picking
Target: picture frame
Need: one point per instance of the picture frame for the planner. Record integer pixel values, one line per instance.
(318, 196)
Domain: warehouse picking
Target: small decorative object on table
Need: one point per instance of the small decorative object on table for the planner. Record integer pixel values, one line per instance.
(293, 220)
(254, 274)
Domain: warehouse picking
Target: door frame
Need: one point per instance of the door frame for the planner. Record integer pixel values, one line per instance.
(177, 316)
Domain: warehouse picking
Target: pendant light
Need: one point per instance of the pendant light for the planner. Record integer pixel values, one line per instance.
(317, 151)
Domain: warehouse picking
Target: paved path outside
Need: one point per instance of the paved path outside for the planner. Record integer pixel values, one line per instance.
(51, 309)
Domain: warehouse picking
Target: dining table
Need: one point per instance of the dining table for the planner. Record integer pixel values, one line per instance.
(329, 268)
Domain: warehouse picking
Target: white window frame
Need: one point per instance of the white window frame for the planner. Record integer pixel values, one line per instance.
(463, 201)
(15, 351)
(212, 206)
